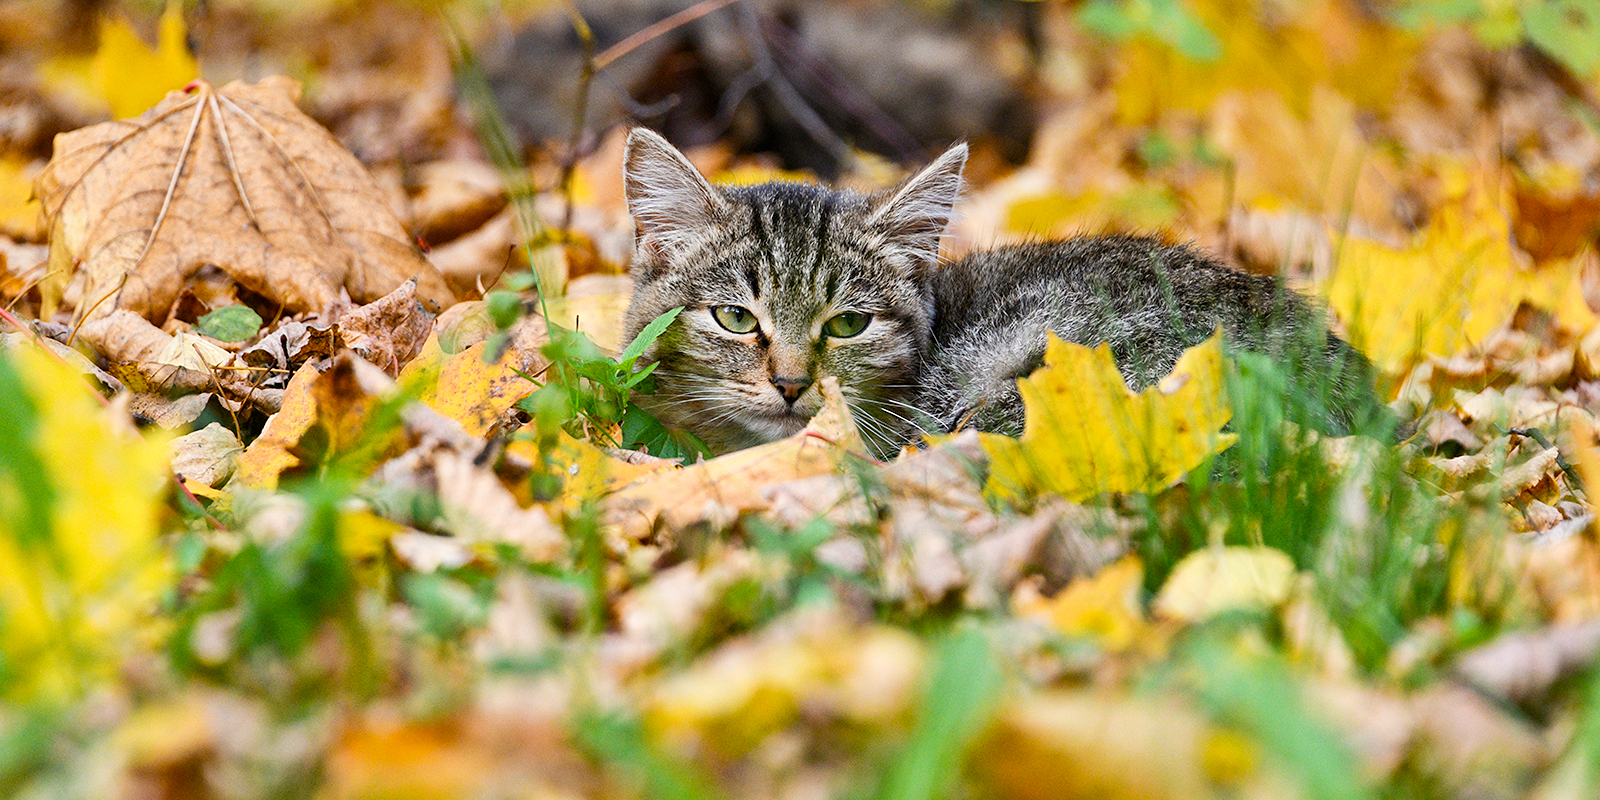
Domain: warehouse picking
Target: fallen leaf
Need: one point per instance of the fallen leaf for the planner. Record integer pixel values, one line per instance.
(1450, 286)
(237, 178)
(1071, 745)
(389, 331)
(454, 198)
(1521, 667)
(1216, 579)
(324, 414)
(130, 75)
(378, 757)
(1086, 433)
(478, 509)
(468, 389)
(730, 701)
(234, 323)
(1107, 606)
(720, 489)
(207, 456)
(19, 211)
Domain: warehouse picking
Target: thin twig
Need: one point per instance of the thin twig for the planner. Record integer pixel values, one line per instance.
(656, 30)
(842, 91)
(787, 95)
(580, 112)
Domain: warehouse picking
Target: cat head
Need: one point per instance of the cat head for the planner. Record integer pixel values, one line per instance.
(781, 285)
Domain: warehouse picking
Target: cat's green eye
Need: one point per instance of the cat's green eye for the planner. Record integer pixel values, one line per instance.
(735, 318)
(846, 325)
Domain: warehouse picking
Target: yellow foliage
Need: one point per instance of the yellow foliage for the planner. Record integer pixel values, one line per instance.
(80, 580)
(1086, 433)
(1142, 206)
(1106, 606)
(465, 388)
(1456, 281)
(1328, 43)
(1213, 580)
(130, 75)
(19, 211)
(752, 175)
(269, 455)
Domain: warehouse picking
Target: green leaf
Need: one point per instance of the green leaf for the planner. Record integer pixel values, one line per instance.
(641, 430)
(1166, 20)
(643, 374)
(1567, 31)
(230, 324)
(648, 336)
(572, 347)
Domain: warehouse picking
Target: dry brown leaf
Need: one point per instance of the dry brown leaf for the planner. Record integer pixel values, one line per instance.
(389, 331)
(720, 489)
(472, 263)
(1376, 725)
(478, 508)
(1468, 747)
(454, 197)
(1522, 667)
(238, 178)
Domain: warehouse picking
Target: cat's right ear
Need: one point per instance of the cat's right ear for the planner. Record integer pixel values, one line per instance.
(670, 201)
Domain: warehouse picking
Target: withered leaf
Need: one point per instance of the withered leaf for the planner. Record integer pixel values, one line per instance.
(389, 331)
(238, 178)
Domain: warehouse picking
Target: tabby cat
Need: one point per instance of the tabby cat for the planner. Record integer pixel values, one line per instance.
(785, 283)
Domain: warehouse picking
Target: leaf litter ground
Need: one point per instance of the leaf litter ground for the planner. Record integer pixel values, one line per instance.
(382, 564)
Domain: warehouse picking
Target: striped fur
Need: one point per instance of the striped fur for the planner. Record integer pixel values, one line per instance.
(945, 344)
(795, 255)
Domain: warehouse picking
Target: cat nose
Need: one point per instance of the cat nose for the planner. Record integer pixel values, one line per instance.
(792, 388)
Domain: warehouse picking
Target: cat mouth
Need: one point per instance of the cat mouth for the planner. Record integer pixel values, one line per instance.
(787, 422)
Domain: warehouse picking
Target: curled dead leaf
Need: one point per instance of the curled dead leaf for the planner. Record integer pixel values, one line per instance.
(237, 178)
(723, 487)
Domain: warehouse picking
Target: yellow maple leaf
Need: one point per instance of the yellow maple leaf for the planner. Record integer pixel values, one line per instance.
(80, 563)
(1453, 284)
(467, 389)
(1086, 433)
(132, 76)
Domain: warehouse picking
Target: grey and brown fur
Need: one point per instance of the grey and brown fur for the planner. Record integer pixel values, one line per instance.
(945, 343)
(1150, 301)
(795, 255)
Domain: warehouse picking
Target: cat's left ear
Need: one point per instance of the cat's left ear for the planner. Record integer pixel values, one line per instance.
(914, 215)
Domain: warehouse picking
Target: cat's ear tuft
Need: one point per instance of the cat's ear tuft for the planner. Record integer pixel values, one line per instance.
(915, 215)
(667, 196)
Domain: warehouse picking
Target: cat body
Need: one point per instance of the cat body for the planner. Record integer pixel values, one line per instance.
(1150, 301)
(783, 284)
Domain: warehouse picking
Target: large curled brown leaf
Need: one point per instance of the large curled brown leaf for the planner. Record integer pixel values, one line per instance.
(238, 178)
